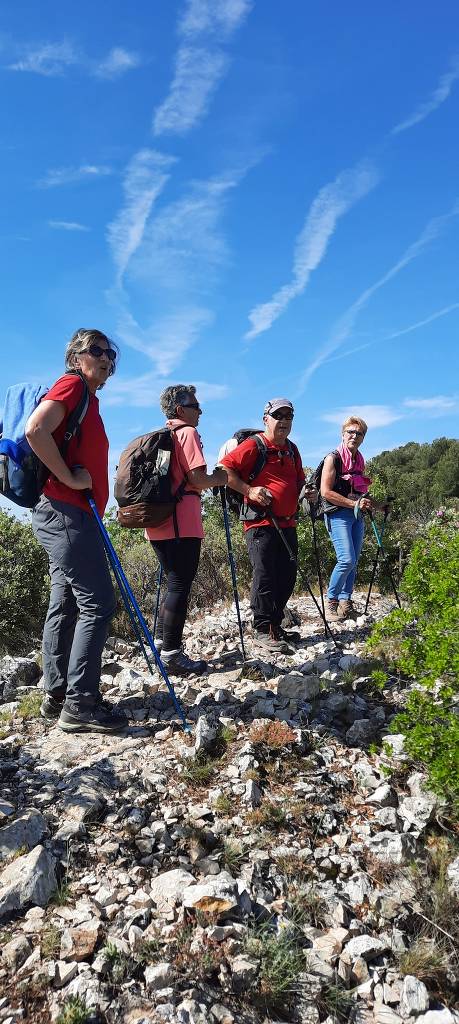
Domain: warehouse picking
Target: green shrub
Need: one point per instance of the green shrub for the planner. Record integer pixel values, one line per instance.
(24, 586)
(422, 642)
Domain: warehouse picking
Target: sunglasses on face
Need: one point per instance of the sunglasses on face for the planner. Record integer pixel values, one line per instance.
(190, 405)
(355, 433)
(97, 351)
(281, 415)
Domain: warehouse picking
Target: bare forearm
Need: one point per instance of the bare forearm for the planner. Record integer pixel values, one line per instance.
(203, 480)
(44, 445)
(236, 482)
(337, 499)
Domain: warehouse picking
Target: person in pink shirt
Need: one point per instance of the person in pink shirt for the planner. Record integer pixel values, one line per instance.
(177, 542)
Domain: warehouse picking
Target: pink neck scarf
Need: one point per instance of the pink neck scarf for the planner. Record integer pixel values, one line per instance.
(353, 469)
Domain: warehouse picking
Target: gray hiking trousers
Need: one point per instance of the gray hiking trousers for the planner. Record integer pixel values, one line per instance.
(81, 605)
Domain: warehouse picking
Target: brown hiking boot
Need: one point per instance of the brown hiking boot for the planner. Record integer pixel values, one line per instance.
(272, 642)
(331, 609)
(346, 610)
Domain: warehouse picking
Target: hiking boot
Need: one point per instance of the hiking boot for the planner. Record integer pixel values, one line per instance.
(179, 664)
(272, 642)
(346, 610)
(331, 609)
(103, 717)
(291, 636)
(50, 708)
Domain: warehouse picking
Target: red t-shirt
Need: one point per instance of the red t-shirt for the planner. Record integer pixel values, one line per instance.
(282, 474)
(89, 447)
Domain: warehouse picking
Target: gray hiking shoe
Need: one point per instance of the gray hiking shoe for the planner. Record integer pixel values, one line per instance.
(179, 664)
(272, 642)
(103, 717)
(50, 708)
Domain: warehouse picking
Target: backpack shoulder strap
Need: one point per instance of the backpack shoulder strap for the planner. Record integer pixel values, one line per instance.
(76, 417)
(262, 455)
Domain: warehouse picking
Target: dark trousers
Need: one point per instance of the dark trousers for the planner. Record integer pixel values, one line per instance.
(179, 558)
(81, 604)
(274, 574)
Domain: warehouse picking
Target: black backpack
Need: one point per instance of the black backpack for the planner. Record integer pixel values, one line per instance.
(236, 502)
(317, 509)
(143, 483)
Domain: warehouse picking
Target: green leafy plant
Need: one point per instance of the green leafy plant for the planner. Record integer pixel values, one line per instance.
(421, 642)
(74, 1011)
(281, 960)
(24, 585)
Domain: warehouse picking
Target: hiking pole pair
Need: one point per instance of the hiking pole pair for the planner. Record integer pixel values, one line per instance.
(232, 566)
(137, 620)
(380, 550)
(286, 544)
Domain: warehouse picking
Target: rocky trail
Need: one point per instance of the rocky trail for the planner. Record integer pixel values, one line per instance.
(283, 862)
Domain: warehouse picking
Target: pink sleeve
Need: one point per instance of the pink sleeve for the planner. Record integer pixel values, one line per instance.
(189, 449)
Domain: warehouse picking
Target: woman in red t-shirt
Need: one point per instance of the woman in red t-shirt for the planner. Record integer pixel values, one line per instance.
(82, 599)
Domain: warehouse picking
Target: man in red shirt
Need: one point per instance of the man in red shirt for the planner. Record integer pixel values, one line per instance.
(275, 490)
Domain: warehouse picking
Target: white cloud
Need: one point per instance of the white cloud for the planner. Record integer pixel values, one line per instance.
(144, 391)
(207, 16)
(440, 405)
(116, 63)
(183, 246)
(439, 95)
(331, 203)
(67, 225)
(374, 415)
(71, 175)
(200, 63)
(146, 176)
(198, 71)
(48, 59)
(166, 341)
(345, 325)
(423, 323)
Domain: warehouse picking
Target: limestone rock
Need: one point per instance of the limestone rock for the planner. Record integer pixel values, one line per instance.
(167, 888)
(297, 686)
(414, 998)
(366, 946)
(28, 879)
(159, 975)
(27, 830)
(392, 846)
(216, 896)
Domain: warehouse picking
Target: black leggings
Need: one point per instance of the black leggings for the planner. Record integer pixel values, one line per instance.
(179, 558)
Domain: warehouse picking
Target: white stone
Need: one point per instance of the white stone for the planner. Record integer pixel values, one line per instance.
(159, 975)
(28, 879)
(414, 998)
(217, 895)
(392, 846)
(366, 946)
(167, 888)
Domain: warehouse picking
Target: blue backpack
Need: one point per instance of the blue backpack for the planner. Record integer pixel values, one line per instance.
(22, 474)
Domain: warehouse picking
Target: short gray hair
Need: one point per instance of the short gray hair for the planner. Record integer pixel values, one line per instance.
(174, 396)
(82, 339)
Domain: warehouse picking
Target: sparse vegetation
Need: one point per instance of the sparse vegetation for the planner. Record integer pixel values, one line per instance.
(30, 705)
(336, 1002)
(74, 1011)
(233, 855)
(198, 770)
(274, 735)
(223, 803)
(50, 942)
(269, 816)
(427, 960)
(281, 960)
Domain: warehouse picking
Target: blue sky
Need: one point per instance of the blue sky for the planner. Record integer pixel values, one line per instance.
(259, 198)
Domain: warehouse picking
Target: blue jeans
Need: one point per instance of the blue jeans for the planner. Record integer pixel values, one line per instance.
(346, 533)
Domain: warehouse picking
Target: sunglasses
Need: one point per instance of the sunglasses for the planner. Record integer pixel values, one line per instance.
(281, 415)
(190, 405)
(97, 351)
(355, 433)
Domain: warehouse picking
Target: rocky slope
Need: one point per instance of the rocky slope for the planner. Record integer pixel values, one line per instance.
(276, 864)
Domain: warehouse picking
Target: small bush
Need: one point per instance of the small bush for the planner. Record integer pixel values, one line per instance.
(427, 960)
(274, 735)
(24, 585)
(198, 770)
(422, 643)
(282, 959)
(50, 942)
(74, 1011)
(30, 705)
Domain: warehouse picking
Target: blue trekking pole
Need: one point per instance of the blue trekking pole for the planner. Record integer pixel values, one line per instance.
(158, 595)
(232, 566)
(380, 549)
(127, 594)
